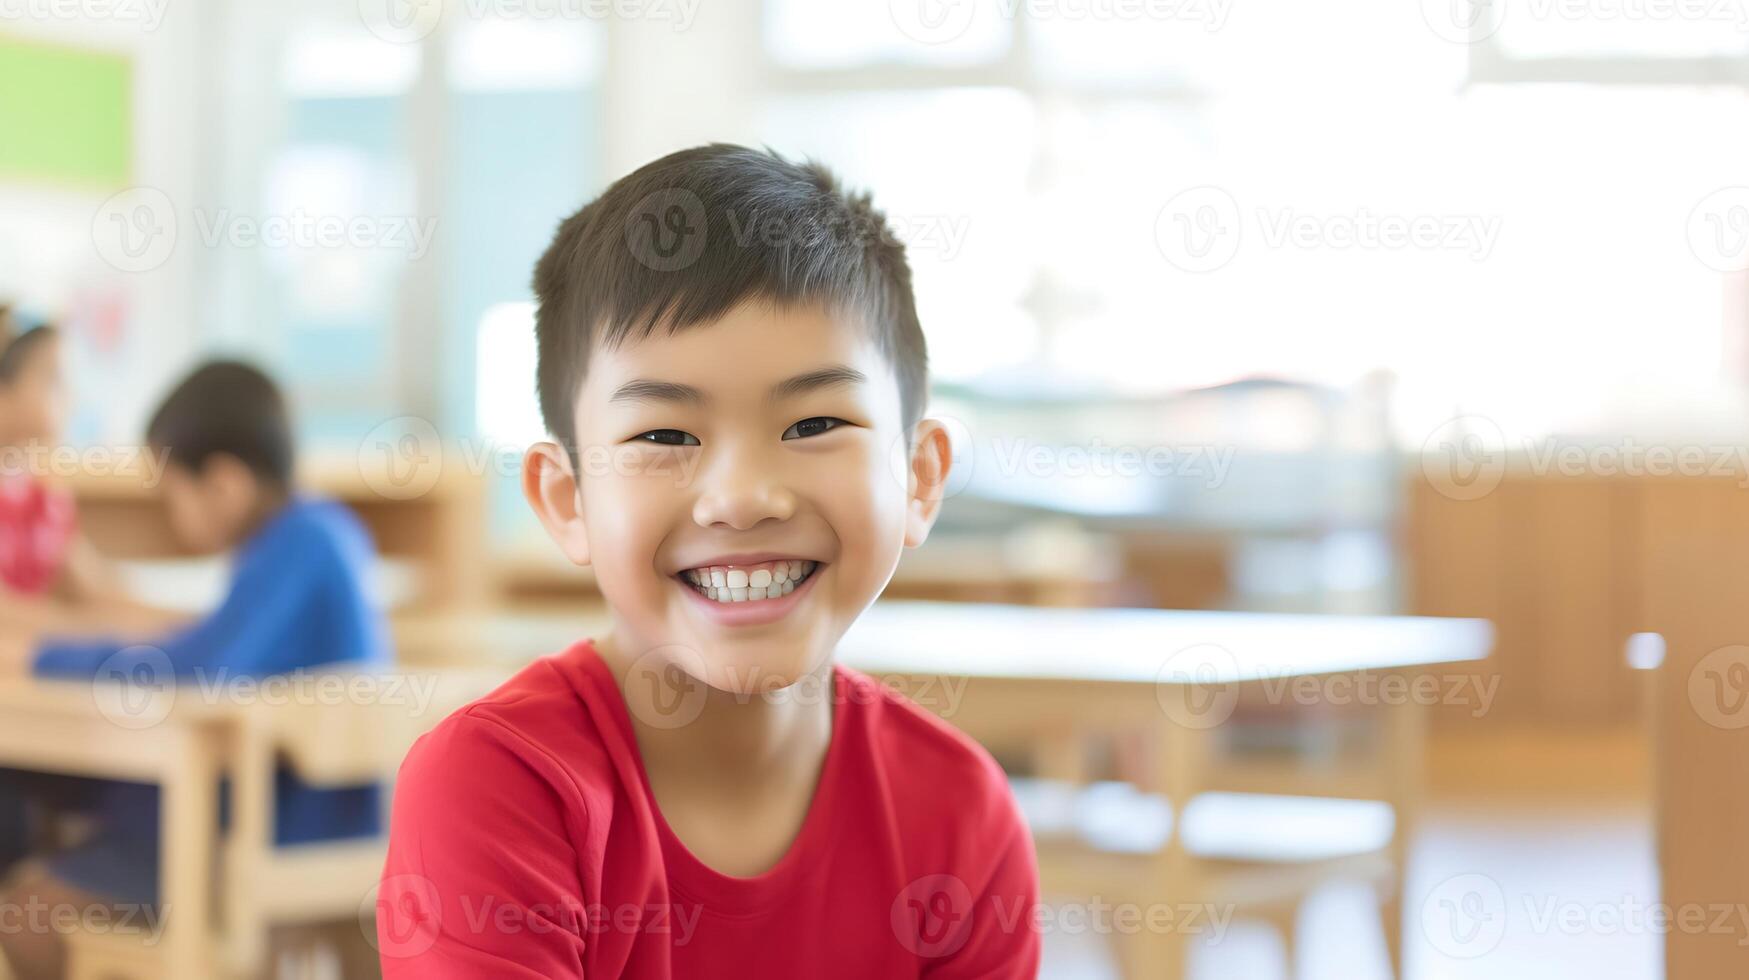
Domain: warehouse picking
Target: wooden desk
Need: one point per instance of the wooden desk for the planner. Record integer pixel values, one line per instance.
(77, 728)
(1009, 675)
(183, 741)
(1038, 670)
(1133, 646)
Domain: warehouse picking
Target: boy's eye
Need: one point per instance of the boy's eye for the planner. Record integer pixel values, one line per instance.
(667, 437)
(813, 427)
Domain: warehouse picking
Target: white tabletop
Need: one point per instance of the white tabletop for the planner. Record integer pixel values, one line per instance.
(1146, 645)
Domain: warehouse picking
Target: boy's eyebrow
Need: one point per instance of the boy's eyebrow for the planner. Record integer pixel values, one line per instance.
(835, 376)
(648, 389)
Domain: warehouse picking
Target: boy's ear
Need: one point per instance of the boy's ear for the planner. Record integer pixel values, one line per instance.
(551, 489)
(931, 458)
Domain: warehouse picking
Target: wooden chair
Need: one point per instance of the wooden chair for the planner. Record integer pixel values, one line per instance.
(105, 956)
(326, 742)
(1113, 841)
(1218, 832)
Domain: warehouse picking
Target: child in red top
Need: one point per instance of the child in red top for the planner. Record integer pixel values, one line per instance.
(37, 530)
(732, 367)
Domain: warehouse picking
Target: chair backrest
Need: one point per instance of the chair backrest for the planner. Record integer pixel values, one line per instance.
(351, 727)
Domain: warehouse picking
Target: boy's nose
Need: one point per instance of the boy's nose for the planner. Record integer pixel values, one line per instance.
(744, 503)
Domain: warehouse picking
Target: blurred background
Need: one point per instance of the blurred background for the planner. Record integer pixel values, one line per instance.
(1431, 308)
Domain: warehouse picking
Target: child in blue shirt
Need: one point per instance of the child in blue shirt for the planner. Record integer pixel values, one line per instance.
(297, 601)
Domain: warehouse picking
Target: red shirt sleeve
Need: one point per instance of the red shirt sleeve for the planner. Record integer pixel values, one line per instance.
(482, 877)
(1003, 941)
(978, 919)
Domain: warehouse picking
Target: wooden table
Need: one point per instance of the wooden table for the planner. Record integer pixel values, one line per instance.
(1037, 667)
(1010, 675)
(80, 728)
(182, 739)
(1133, 645)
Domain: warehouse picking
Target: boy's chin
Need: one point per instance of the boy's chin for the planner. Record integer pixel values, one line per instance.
(764, 671)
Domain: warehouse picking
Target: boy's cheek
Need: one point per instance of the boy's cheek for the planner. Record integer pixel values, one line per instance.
(871, 535)
(623, 526)
(864, 573)
(868, 480)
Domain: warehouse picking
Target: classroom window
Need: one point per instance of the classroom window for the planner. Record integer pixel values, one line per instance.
(1090, 127)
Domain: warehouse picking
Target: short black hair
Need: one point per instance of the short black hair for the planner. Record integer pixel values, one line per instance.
(685, 239)
(15, 352)
(226, 407)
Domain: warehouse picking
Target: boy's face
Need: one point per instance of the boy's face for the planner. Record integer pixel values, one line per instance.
(694, 452)
(209, 510)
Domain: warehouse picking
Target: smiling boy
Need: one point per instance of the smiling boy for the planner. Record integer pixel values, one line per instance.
(741, 457)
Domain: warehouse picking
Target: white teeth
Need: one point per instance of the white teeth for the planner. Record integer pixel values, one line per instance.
(723, 584)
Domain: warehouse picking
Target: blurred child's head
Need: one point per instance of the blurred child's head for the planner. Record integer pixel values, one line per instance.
(731, 361)
(33, 398)
(226, 439)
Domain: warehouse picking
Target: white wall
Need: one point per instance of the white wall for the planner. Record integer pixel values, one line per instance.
(669, 89)
(48, 257)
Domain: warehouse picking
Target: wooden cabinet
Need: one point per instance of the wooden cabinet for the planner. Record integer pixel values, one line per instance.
(1557, 564)
(1568, 568)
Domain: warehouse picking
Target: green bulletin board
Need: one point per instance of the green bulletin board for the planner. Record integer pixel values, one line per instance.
(65, 114)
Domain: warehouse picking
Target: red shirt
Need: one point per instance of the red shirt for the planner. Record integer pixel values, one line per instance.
(525, 842)
(36, 532)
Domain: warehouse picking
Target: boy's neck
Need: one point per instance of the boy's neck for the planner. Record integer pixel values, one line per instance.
(738, 742)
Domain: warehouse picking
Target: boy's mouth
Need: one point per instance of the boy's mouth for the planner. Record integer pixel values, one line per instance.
(751, 582)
